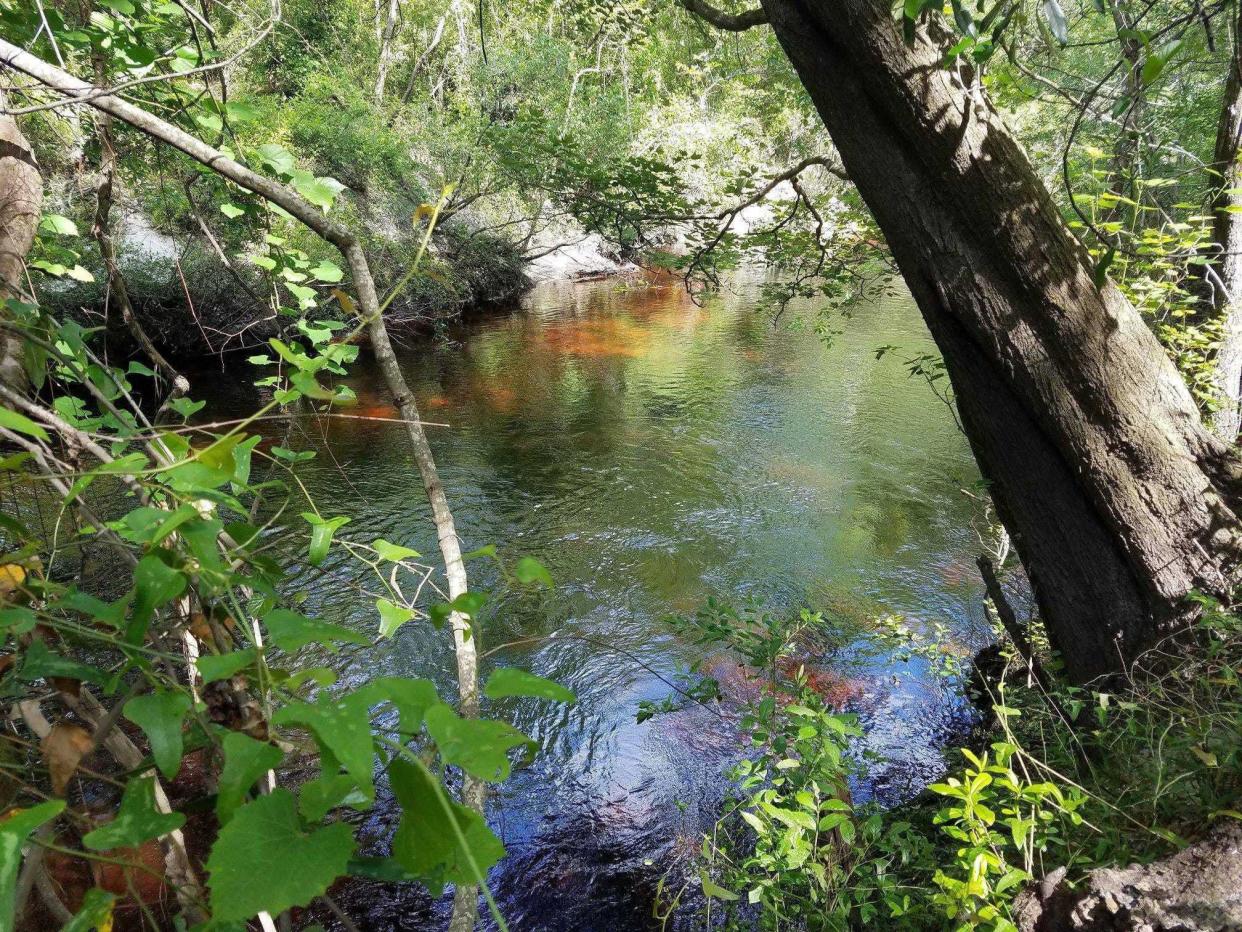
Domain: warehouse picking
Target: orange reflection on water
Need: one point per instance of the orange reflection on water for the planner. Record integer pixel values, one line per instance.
(608, 336)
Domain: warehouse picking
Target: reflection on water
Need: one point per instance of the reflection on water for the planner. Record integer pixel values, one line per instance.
(652, 453)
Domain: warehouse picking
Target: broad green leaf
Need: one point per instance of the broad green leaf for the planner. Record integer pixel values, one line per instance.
(155, 584)
(291, 631)
(213, 667)
(245, 762)
(322, 530)
(328, 272)
(136, 820)
(41, 663)
(159, 715)
(511, 681)
(276, 157)
(392, 617)
(232, 211)
(319, 191)
(55, 223)
(411, 698)
(529, 570)
(267, 834)
(343, 727)
(393, 552)
(478, 746)
(428, 842)
(714, 890)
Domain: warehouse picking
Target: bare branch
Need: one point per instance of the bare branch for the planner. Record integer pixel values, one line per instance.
(733, 22)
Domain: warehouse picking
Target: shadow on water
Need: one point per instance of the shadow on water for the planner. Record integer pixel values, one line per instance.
(652, 453)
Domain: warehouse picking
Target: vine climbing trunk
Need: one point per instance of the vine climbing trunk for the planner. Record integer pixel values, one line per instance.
(1120, 501)
(465, 909)
(1227, 235)
(21, 200)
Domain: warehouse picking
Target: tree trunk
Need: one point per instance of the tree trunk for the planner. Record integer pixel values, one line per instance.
(385, 49)
(1119, 500)
(1227, 235)
(21, 200)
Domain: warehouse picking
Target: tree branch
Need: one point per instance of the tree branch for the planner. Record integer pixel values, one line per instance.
(733, 22)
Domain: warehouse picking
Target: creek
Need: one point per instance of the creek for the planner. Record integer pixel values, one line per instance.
(652, 453)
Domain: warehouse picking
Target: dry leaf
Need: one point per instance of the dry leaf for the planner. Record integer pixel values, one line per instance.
(66, 685)
(200, 627)
(11, 578)
(63, 749)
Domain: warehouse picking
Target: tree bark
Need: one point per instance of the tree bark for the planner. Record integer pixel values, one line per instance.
(21, 201)
(1227, 236)
(1119, 500)
(386, 36)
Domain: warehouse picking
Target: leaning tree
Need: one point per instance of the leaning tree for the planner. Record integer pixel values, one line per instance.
(1120, 501)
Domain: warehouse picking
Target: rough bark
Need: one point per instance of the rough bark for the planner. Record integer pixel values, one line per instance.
(1227, 235)
(466, 903)
(1119, 500)
(21, 200)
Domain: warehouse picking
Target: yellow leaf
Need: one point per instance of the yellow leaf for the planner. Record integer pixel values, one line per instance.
(346, 302)
(11, 578)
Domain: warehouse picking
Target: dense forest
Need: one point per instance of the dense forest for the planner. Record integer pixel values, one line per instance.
(252, 251)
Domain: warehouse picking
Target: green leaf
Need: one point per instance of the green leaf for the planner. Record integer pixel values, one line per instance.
(321, 535)
(714, 890)
(41, 663)
(276, 157)
(261, 835)
(392, 617)
(328, 272)
(245, 762)
(429, 840)
(393, 552)
(411, 698)
(96, 913)
(232, 211)
(240, 112)
(290, 631)
(213, 667)
(478, 746)
(11, 420)
(55, 223)
(155, 584)
(136, 820)
(510, 681)
(159, 715)
(528, 570)
(343, 727)
(15, 828)
(319, 191)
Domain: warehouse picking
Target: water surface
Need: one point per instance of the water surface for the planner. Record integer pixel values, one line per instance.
(652, 453)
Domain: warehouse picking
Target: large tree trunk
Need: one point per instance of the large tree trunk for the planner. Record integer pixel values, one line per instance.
(1119, 500)
(21, 199)
(1227, 235)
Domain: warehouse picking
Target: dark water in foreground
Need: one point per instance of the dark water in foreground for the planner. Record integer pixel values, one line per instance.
(651, 454)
